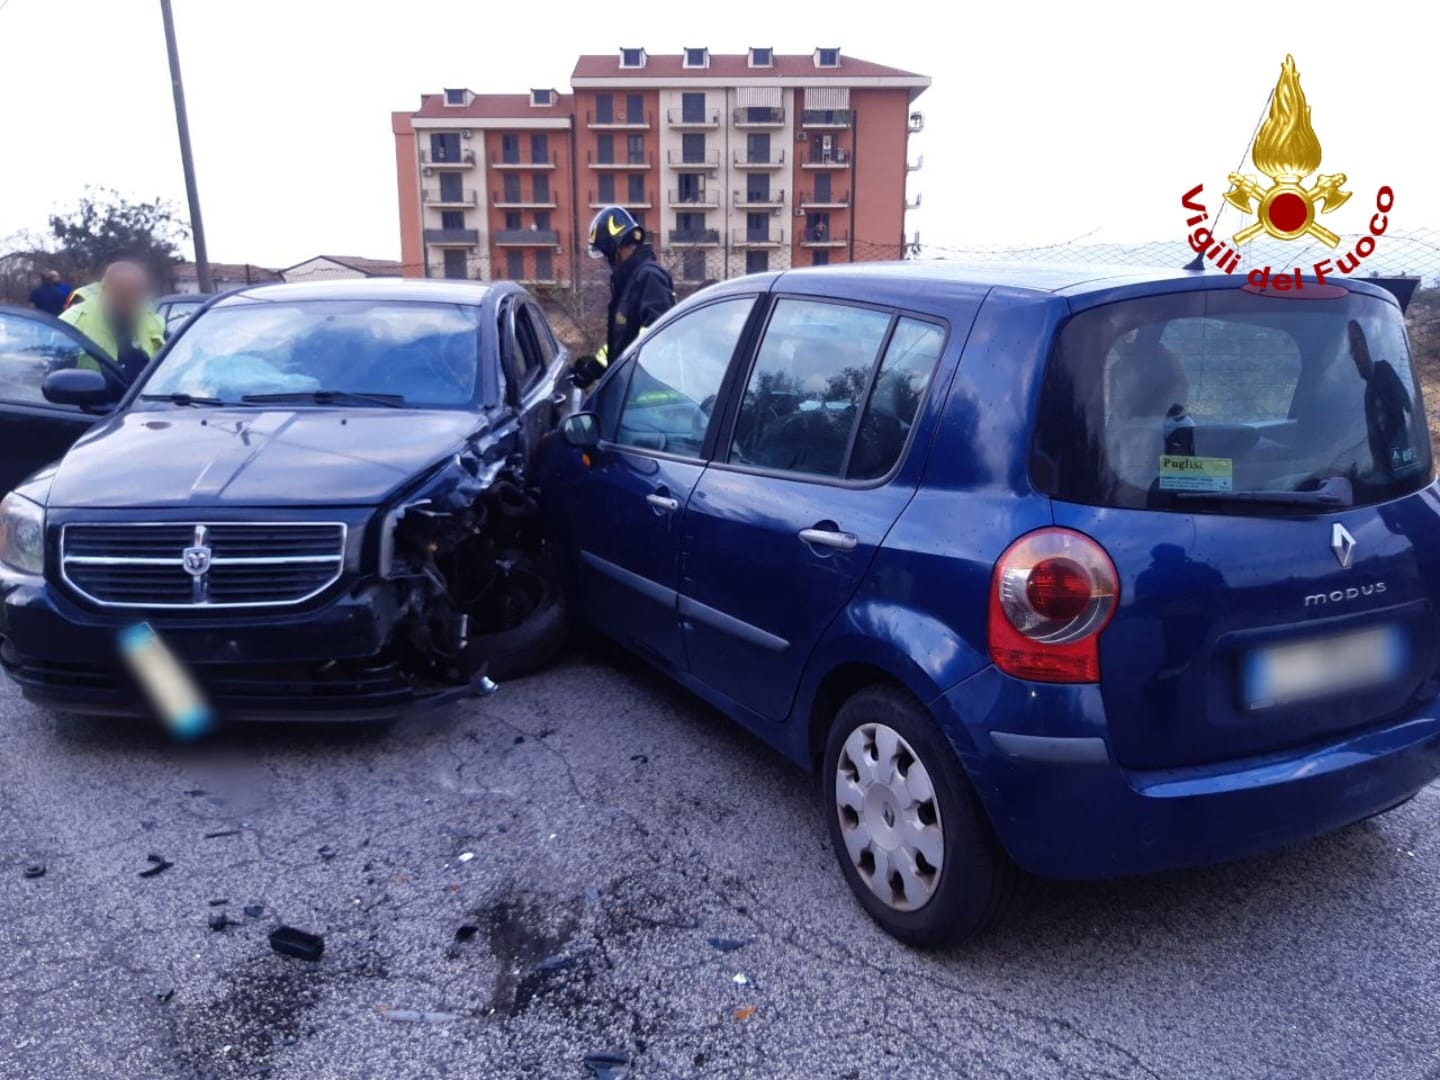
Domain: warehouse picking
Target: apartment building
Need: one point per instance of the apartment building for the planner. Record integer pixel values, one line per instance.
(734, 163)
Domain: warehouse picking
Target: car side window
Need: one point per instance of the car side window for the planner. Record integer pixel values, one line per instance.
(530, 359)
(807, 387)
(900, 386)
(544, 337)
(675, 379)
(30, 350)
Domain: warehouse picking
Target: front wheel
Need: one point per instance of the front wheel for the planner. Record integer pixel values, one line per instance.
(911, 837)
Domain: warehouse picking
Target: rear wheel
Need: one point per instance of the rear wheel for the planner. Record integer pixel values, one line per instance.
(911, 837)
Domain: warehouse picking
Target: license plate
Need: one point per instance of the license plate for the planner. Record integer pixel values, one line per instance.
(171, 690)
(1322, 667)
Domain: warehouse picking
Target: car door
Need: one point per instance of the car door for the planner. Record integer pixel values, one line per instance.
(535, 365)
(655, 414)
(782, 527)
(33, 431)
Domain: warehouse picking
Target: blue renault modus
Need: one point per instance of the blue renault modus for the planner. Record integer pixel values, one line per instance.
(1086, 575)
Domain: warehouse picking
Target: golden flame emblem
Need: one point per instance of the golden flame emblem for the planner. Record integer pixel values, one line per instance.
(1287, 150)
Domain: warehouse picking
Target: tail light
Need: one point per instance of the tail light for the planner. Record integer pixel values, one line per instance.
(1053, 592)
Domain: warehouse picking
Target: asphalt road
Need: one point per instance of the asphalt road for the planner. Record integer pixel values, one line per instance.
(616, 826)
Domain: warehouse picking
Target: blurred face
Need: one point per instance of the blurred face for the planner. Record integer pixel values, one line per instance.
(123, 290)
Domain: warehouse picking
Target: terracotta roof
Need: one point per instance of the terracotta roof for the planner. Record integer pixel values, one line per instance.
(229, 272)
(495, 107)
(729, 66)
(373, 267)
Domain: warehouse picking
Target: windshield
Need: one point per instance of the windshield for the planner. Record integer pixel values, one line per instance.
(424, 354)
(1232, 401)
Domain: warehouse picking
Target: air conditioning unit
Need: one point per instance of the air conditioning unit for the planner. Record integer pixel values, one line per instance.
(428, 171)
(802, 136)
(799, 211)
(619, 117)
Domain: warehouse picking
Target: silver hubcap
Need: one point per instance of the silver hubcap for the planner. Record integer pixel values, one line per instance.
(888, 816)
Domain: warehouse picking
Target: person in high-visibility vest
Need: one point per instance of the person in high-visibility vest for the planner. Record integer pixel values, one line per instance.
(119, 319)
(640, 288)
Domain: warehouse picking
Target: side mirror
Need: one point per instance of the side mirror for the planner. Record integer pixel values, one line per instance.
(78, 386)
(581, 429)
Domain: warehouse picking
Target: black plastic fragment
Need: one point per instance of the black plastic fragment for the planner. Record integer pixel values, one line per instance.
(466, 931)
(222, 832)
(288, 941)
(163, 996)
(35, 870)
(642, 759)
(726, 944)
(219, 901)
(254, 911)
(327, 853)
(219, 921)
(157, 866)
(608, 1064)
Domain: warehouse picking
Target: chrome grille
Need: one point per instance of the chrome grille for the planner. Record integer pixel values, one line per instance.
(219, 564)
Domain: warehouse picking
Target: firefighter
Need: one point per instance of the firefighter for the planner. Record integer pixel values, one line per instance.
(640, 288)
(119, 318)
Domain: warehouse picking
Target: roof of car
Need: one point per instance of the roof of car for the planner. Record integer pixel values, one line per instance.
(410, 289)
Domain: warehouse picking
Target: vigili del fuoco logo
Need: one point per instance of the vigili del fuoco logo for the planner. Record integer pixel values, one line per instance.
(1286, 151)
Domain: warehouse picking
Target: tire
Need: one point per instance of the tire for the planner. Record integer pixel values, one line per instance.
(534, 643)
(969, 891)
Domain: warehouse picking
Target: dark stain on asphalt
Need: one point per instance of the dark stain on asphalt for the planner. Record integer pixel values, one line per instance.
(521, 939)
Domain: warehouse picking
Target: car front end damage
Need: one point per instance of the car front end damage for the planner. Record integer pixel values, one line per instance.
(301, 612)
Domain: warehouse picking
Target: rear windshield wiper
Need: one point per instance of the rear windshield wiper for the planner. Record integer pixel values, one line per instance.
(328, 397)
(187, 399)
(1335, 491)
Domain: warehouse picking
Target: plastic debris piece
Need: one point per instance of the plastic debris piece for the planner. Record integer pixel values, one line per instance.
(519, 739)
(254, 911)
(163, 996)
(554, 963)
(741, 979)
(157, 866)
(288, 941)
(608, 1064)
(219, 901)
(745, 1013)
(417, 1016)
(592, 893)
(222, 832)
(466, 931)
(466, 856)
(196, 792)
(219, 921)
(327, 853)
(35, 870)
(728, 944)
(642, 759)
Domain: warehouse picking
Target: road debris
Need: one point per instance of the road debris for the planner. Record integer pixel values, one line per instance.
(728, 944)
(288, 941)
(164, 996)
(741, 979)
(222, 832)
(254, 911)
(608, 1064)
(219, 901)
(466, 856)
(34, 870)
(327, 853)
(745, 1013)
(417, 1016)
(640, 759)
(466, 931)
(157, 866)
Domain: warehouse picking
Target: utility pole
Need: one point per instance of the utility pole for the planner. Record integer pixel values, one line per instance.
(182, 124)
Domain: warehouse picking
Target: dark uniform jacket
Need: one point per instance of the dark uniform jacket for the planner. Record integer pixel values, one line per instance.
(640, 292)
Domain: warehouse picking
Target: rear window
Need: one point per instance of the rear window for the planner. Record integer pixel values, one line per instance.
(1231, 401)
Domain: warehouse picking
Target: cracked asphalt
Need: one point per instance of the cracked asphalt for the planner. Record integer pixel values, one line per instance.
(616, 826)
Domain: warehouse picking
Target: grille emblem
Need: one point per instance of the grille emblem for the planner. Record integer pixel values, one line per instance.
(1342, 544)
(197, 560)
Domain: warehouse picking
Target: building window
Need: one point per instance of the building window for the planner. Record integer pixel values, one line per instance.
(692, 108)
(607, 188)
(542, 220)
(692, 187)
(512, 188)
(455, 264)
(604, 108)
(820, 258)
(632, 58)
(454, 97)
(605, 149)
(452, 219)
(515, 265)
(634, 109)
(762, 58)
(512, 219)
(692, 148)
(635, 185)
(757, 187)
(693, 267)
(689, 227)
(757, 227)
(640, 220)
(827, 57)
(757, 262)
(542, 97)
(444, 146)
(697, 58)
(635, 149)
(451, 188)
(540, 149)
(541, 187)
(544, 265)
(510, 149)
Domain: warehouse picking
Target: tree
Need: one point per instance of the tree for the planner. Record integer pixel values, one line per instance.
(106, 226)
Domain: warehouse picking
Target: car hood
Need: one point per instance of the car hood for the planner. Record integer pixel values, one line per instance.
(256, 457)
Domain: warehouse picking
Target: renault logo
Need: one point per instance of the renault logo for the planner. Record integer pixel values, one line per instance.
(1342, 544)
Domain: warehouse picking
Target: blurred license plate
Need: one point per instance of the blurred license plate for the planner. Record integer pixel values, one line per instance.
(1304, 670)
(170, 688)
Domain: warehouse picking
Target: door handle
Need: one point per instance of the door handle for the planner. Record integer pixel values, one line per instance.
(663, 502)
(831, 538)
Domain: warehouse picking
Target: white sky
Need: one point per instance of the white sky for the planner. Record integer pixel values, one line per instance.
(1045, 121)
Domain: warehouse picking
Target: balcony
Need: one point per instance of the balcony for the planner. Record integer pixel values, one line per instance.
(751, 159)
(759, 117)
(913, 204)
(694, 237)
(618, 121)
(452, 237)
(627, 161)
(760, 238)
(679, 159)
(816, 236)
(440, 198)
(527, 237)
(502, 201)
(695, 121)
(834, 158)
(758, 200)
(441, 160)
(702, 199)
(916, 165)
(835, 200)
(512, 161)
(597, 203)
(825, 118)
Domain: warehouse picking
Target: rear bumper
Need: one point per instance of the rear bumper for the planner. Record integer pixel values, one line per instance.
(1078, 814)
(326, 663)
